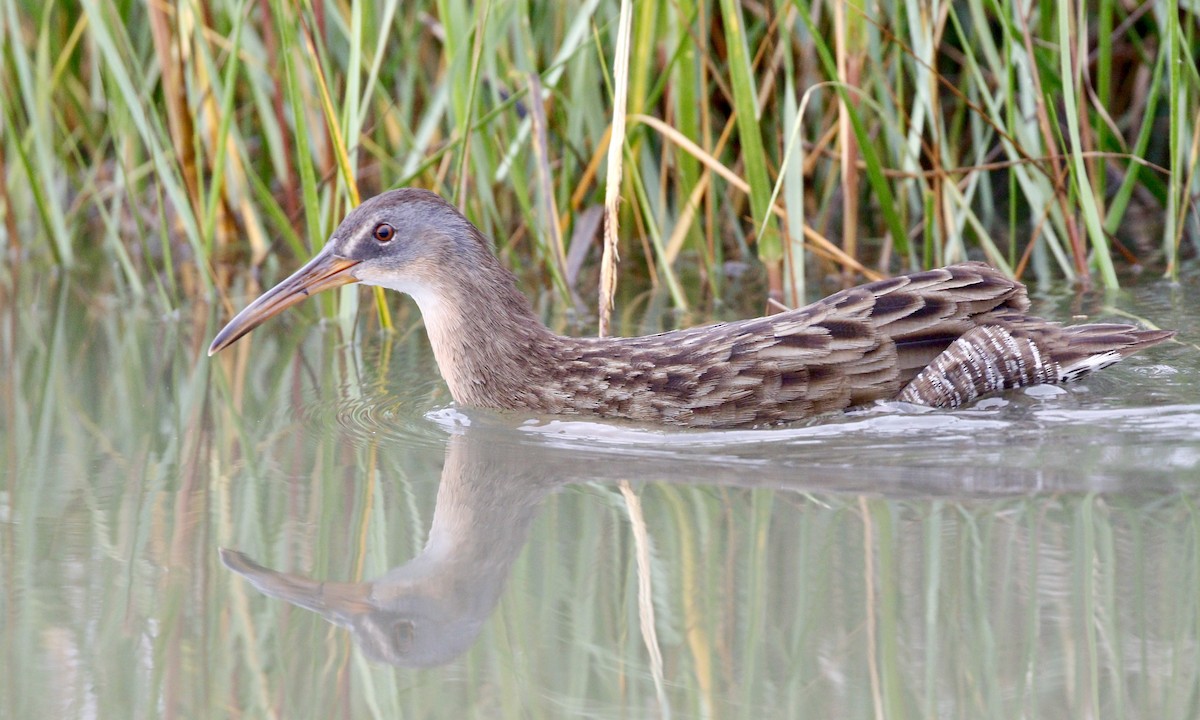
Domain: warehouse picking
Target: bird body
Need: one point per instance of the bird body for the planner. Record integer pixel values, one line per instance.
(940, 337)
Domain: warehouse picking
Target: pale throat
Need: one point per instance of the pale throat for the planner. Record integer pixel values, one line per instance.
(426, 297)
(467, 337)
(440, 316)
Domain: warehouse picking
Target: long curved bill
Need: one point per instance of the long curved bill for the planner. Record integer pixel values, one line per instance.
(324, 271)
(337, 602)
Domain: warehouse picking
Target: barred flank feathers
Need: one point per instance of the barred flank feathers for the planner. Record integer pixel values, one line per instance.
(1020, 351)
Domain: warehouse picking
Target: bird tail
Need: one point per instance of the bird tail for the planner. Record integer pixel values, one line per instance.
(1088, 348)
(1012, 351)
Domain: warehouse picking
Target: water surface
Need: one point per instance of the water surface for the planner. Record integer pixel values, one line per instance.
(304, 527)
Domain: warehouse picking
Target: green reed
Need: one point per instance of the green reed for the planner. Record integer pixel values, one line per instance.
(178, 146)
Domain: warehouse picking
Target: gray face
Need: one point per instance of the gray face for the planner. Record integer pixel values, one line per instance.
(404, 235)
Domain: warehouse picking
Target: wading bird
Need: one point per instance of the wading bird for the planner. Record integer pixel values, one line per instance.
(940, 337)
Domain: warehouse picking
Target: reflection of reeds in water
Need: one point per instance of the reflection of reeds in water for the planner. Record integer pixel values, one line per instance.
(130, 462)
(185, 146)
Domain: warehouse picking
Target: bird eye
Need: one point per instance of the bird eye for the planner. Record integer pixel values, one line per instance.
(384, 232)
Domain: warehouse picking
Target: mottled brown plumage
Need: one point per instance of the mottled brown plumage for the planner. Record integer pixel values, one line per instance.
(941, 337)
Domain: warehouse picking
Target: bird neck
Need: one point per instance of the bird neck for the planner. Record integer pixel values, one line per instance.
(490, 347)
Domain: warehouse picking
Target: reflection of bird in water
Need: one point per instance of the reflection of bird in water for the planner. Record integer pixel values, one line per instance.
(941, 337)
(430, 610)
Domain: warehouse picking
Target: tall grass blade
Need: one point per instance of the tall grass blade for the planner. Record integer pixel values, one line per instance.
(753, 154)
(1087, 197)
(612, 182)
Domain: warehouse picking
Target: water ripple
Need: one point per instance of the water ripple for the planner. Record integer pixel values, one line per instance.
(373, 414)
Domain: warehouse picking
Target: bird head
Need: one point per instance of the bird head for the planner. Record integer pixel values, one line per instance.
(408, 240)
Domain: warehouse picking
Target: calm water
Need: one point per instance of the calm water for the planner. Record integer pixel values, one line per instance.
(304, 528)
